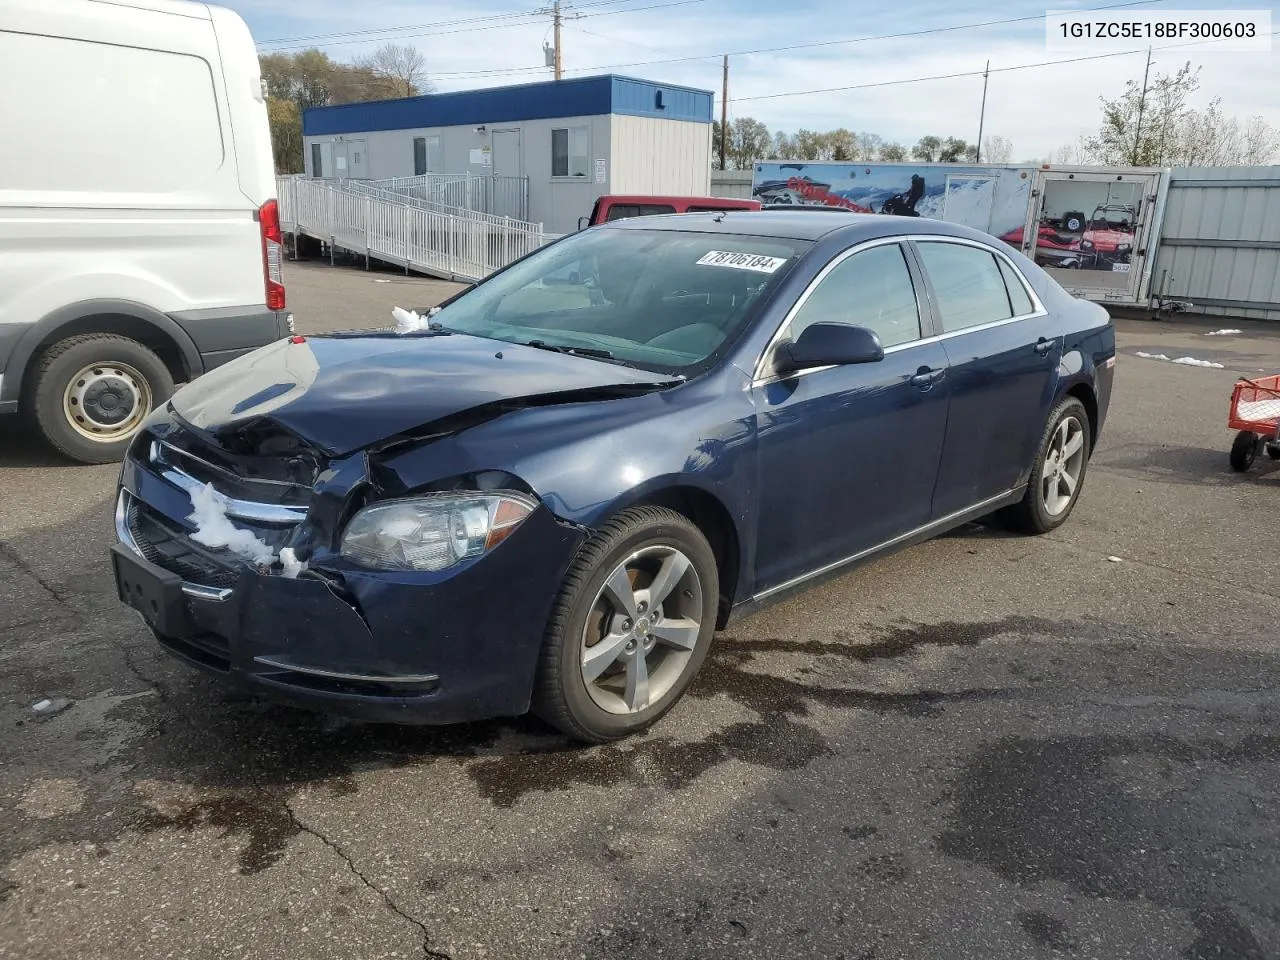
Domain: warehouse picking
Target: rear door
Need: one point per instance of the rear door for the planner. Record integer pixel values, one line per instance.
(1003, 352)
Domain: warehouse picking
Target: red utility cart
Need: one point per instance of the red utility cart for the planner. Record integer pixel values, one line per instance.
(1255, 412)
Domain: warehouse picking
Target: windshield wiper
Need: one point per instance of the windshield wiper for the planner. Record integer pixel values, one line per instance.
(593, 352)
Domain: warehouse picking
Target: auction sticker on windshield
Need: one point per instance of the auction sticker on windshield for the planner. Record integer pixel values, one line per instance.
(742, 261)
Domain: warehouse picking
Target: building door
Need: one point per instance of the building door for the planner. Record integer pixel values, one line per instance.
(508, 173)
(1092, 231)
(358, 159)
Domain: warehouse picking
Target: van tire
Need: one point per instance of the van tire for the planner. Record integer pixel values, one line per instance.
(119, 371)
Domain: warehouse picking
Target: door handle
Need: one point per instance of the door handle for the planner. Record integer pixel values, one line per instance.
(926, 378)
(1043, 346)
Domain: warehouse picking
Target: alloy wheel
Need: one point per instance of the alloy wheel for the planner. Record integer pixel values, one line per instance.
(1063, 466)
(642, 630)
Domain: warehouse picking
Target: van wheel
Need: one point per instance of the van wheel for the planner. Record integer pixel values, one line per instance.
(89, 394)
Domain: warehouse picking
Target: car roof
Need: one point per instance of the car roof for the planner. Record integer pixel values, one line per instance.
(790, 225)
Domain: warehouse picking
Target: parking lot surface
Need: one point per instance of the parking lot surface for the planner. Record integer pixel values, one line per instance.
(985, 746)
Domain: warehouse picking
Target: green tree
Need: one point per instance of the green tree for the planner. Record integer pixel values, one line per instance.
(1156, 126)
(749, 141)
(286, 134)
(892, 153)
(927, 149)
(842, 145)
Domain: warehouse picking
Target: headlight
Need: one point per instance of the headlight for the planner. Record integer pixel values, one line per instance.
(433, 532)
(1086, 244)
(1123, 247)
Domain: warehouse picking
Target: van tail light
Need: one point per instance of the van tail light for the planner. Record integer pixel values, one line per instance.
(272, 253)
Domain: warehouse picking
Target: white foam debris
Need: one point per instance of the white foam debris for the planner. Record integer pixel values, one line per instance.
(50, 708)
(1185, 361)
(213, 529)
(1115, 559)
(1223, 333)
(408, 321)
(292, 565)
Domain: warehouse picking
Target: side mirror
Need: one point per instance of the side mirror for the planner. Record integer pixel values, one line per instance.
(584, 222)
(829, 345)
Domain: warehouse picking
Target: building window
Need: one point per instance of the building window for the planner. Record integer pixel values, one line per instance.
(317, 169)
(569, 152)
(427, 155)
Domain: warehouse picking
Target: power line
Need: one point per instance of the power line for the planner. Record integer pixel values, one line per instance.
(512, 20)
(424, 26)
(793, 46)
(978, 73)
(605, 36)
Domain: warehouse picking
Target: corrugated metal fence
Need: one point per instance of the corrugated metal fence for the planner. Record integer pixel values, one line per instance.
(1219, 250)
(393, 228)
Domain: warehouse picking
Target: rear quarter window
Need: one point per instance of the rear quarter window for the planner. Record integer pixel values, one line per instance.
(626, 211)
(94, 117)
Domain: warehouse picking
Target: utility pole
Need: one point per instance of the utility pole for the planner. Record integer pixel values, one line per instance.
(724, 110)
(982, 114)
(555, 14)
(1137, 137)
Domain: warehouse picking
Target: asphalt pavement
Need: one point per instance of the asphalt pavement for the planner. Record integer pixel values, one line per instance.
(985, 746)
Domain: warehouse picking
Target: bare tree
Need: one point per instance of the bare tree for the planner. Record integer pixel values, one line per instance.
(401, 67)
(892, 153)
(997, 150)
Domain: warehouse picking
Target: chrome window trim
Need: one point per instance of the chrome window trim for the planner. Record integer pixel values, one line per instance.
(197, 590)
(762, 377)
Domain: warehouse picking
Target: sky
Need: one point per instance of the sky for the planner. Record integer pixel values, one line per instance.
(501, 41)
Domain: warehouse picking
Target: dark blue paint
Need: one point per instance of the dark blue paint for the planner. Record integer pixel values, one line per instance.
(810, 470)
(545, 100)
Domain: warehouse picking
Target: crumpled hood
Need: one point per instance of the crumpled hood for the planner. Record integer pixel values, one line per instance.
(343, 393)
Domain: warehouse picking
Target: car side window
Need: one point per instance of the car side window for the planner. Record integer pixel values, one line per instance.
(967, 283)
(1019, 299)
(872, 289)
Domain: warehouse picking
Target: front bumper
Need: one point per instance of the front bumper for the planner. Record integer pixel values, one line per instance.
(386, 647)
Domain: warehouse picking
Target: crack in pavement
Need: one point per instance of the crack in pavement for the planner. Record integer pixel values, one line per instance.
(7, 551)
(394, 907)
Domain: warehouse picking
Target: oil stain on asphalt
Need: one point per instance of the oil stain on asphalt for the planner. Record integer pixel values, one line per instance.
(778, 740)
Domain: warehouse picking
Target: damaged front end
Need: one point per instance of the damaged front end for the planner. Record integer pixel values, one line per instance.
(298, 572)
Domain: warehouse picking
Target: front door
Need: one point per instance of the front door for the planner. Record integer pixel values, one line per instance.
(358, 159)
(1002, 354)
(507, 172)
(1092, 231)
(848, 455)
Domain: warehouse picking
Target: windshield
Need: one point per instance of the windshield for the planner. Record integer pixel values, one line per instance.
(656, 299)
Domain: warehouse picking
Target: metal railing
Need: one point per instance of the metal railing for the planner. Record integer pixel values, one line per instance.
(499, 196)
(395, 229)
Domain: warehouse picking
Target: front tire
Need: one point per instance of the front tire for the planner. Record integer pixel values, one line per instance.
(630, 628)
(90, 393)
(1057, 477)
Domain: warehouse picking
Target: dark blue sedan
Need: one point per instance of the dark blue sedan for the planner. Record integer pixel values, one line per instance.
(550, 495)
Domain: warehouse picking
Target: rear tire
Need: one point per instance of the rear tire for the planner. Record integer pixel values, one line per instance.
(669, 636)
(1057, 477)
(89, 394)
(1244, 450)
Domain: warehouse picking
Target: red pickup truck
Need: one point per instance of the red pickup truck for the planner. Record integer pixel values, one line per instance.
(618, 207)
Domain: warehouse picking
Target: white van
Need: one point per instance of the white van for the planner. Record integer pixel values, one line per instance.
(140, 242)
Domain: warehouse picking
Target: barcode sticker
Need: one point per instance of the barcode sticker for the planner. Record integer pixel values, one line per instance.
(742, 261)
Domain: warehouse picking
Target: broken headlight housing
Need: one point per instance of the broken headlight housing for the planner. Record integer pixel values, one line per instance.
(435, 531)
